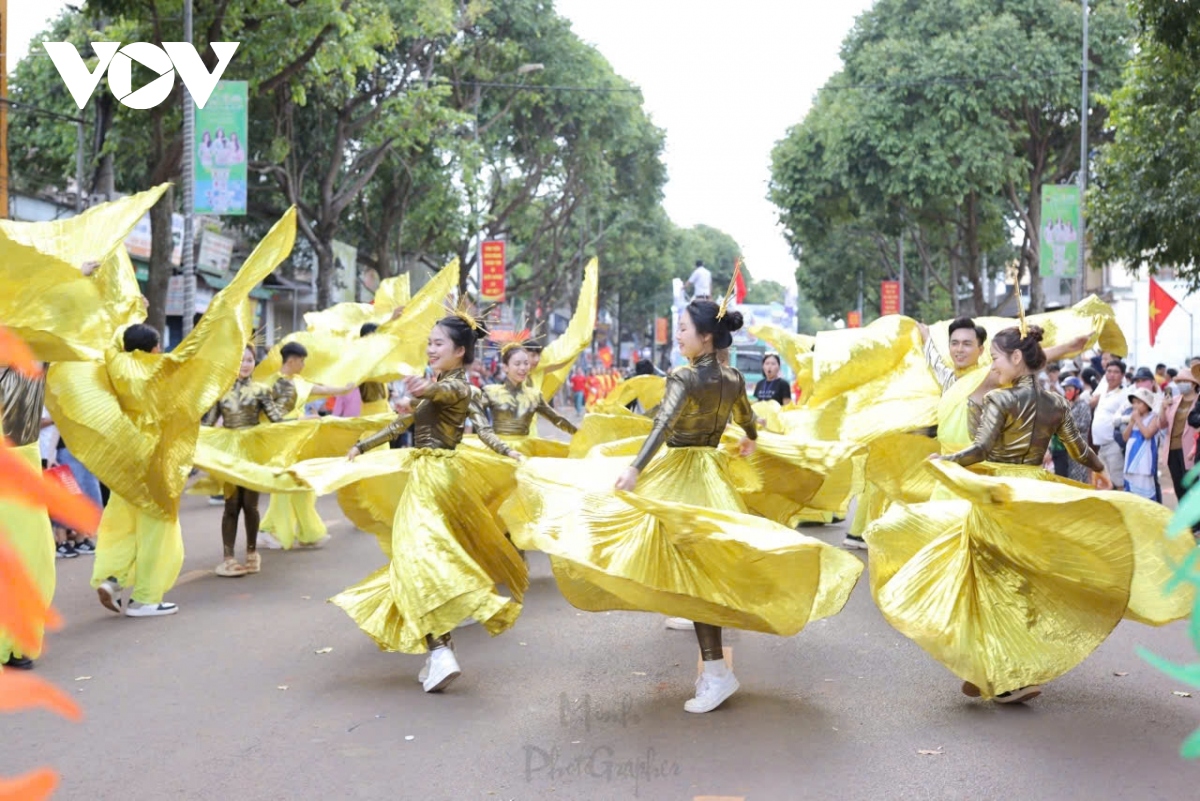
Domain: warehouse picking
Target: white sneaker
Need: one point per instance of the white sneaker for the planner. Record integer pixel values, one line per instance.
(680, 624)
(853, 543)
(712, 691)
(151, 610)
(443, 669)
(109, 592)
(216, 500)
(267, 540)
(424, 674)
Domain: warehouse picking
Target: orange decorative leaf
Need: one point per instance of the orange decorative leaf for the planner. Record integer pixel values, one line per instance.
(24, 484)
(20, 690)
(16, 354)
(33, 786)
(23, 614)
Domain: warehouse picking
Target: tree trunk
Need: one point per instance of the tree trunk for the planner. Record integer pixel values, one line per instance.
(971, 234)
(161, 245)
(325, 271)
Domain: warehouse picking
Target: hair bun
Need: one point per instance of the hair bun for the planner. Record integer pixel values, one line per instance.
(732, 321)
(1035, 333)
(480, 332)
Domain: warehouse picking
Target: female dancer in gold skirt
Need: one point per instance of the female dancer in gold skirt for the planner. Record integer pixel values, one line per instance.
(512, 407)
(240, 408)
(449, 551)
(1015, 581)
(683, 545)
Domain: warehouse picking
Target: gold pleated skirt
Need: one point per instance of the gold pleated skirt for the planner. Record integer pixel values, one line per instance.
(28, 531)
(528, 446)
(448, 549)
(682, 545)
(1017, 580)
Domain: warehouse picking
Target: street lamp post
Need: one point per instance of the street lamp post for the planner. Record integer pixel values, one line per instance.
(1081, 281)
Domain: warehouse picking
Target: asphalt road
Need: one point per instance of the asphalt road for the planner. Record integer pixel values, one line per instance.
(232, 699)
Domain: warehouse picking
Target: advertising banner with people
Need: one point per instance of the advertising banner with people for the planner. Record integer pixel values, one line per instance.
(219, 151)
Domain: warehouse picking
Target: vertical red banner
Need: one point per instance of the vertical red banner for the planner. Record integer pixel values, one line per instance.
(889, 298)
(662, 331)
(491, 256)
(853, 319)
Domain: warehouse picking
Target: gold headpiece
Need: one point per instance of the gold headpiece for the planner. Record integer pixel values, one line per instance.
(731, 292)
(462, 310)
(1021, 315)
(523, 342)
(258, 338)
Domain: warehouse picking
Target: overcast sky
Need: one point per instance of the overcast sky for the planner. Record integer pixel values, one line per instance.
(725, 79)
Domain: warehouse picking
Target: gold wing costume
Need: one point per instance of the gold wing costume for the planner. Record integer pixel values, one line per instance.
(45, 299)
(134, 420)
(62, 315)
(555, 365)
(683, 545)
(1022, 575)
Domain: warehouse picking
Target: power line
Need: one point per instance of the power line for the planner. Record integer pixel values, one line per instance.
(18, 106)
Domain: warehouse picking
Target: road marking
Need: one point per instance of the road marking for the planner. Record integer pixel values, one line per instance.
(192, 575)
(728, 651)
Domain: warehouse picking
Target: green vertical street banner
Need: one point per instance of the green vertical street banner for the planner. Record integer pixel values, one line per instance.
(219, 151)
(1060, 232)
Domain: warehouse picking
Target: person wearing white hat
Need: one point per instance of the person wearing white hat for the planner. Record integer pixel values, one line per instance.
(1141, 445)
(1181, 434)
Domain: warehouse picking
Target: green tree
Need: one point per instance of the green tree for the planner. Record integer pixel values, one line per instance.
(1144, 202)
(947, 119)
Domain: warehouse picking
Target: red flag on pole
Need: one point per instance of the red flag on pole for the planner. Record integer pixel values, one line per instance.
(739, 283)
(1161, 306)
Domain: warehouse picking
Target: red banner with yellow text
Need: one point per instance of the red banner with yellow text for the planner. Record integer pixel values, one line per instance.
(491, 255)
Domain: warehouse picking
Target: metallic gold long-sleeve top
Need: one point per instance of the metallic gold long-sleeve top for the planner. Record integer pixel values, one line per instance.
(21, 401)
(942, 372)
(241, 406)
(1017, 425)
(699, 401)
(511, 409)
(372, 391)
(438, 418)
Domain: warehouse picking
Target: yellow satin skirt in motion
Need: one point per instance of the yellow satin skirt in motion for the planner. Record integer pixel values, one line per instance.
(138, 549)
(1018, 580)
(449, 551)
(528, 446)
(292, 518)
(682, 545)
(373, 408)
(28, 530)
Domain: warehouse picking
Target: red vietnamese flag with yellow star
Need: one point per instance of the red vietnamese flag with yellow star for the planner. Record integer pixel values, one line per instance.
(1161, 306)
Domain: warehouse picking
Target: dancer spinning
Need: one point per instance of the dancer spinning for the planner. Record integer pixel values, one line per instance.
(980, 584)
(240, 408)
(683, 545)
(449, 550)
(512, 407)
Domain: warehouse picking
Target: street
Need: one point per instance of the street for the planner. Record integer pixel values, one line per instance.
(235, 697)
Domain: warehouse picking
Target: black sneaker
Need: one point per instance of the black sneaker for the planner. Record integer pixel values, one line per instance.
(18, 663)
(65, 550)
(86, 547)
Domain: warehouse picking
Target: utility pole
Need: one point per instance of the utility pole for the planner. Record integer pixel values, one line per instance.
(189, 190)
(3, 109)
(1081, 279)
